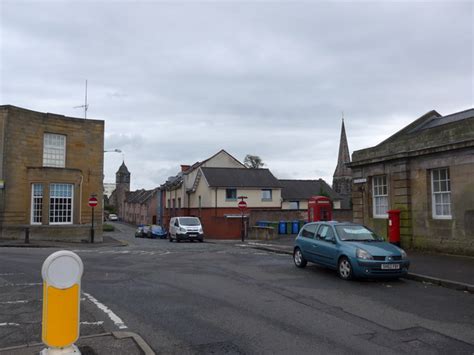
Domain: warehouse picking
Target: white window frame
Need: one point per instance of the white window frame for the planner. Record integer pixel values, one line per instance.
(441, 193)
(37, 205)
(54, 150)
(379, 194)
(231, 198)
(294, 202)
(271, 194)
(70, 202)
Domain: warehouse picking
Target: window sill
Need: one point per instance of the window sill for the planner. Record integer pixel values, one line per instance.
(380, 217)
(442, 218)
(267, 200)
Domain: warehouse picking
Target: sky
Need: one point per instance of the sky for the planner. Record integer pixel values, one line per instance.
(178, 81)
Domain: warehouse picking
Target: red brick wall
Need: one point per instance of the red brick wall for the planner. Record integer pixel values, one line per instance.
(214, 222)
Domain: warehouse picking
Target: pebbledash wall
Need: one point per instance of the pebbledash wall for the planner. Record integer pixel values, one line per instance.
(22, 166)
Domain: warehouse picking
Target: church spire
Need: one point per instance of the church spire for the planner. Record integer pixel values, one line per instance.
(343, 158)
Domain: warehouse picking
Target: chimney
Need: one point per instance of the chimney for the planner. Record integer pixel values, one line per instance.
(185, 167)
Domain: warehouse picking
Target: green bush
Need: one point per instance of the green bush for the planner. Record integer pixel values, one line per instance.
(108, 228)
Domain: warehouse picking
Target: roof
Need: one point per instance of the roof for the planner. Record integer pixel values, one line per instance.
(140, 196)
(304, 189)
(429, 134)
(123, 169)
(198, 164)
(239, 177)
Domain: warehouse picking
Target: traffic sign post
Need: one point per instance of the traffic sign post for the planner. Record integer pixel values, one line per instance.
(92, 203)
(61, 272)
(242, 207)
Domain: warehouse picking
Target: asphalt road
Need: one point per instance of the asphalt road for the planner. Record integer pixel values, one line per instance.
(228, 299)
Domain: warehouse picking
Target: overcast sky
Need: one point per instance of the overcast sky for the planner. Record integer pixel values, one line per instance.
(176, 82)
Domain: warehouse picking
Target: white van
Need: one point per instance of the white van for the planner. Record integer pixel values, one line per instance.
(186, 228)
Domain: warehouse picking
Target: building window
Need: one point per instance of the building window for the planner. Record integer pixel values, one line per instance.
(200, 202)
(169, 204)
(231, 194)
(380, 196)
(294, 205)
(174, 203)
(266, 195)
(36, 204)
(441, 193)
(54, 150)
(60, 203)
(179, 202)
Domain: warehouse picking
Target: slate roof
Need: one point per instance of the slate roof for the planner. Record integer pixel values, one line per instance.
(304, 189)
(240, 177)
(140, 196)
(123, 169)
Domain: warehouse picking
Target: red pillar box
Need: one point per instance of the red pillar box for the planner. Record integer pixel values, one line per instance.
(394, 227)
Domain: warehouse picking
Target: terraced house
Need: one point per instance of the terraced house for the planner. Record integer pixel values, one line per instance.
(49, 167)
(426, 171)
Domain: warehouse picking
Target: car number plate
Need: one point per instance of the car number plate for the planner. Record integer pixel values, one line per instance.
(390, 266)
(193, 235)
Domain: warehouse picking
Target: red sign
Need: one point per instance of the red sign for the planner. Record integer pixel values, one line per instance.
(242, 205)
(93, 202)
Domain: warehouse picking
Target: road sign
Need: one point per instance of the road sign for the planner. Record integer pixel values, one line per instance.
(93, 202)
(242, 205)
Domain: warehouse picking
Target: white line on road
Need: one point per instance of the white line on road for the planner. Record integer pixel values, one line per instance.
(117, 321)
(9, 325)
(93, 323)
(12, 273)
(14, 302)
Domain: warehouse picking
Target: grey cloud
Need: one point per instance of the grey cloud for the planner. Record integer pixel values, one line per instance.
(176, 82)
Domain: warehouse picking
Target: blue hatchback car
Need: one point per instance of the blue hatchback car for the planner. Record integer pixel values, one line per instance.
(352, 249)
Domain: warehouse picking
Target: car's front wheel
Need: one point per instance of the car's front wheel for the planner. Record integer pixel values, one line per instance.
(298, 258)
(344, 268)
(170, 238)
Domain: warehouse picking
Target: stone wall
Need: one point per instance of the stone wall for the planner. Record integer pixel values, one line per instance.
(22, 146)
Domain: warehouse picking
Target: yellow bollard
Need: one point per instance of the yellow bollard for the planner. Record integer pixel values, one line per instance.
(62, 272)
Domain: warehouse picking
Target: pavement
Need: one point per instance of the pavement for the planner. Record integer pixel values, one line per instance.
(120, 343)
(452, 271)
(108, 241)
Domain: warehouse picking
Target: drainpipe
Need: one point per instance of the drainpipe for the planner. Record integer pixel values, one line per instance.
(215, 203)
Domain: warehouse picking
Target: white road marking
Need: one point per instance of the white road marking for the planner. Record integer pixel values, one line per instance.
(25, 284)
(9, 325)
(117, 321)
(14, 302)
(93, 323)
(11, 274)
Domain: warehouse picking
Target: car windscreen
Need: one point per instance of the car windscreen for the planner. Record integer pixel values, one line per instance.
(356, 233)
(156, 229)
(189, 221)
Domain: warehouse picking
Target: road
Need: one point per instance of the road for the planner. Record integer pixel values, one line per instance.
(187, 298)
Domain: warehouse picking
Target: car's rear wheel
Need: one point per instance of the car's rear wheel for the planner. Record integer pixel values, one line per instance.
(298, 258)
(344, 268)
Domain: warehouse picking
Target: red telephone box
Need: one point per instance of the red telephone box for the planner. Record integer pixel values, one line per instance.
(319, 209)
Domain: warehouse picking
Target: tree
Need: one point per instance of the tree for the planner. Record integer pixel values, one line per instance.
(253, 161)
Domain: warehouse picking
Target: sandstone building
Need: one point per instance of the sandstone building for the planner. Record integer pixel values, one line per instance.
(426, 171)
(49, 167)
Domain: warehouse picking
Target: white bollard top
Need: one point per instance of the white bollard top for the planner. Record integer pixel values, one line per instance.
(62, 269)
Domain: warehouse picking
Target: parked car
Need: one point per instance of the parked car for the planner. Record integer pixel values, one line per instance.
(186, 228)
(139, 231)
(113, 217)
(352, 249)
(157, 231)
